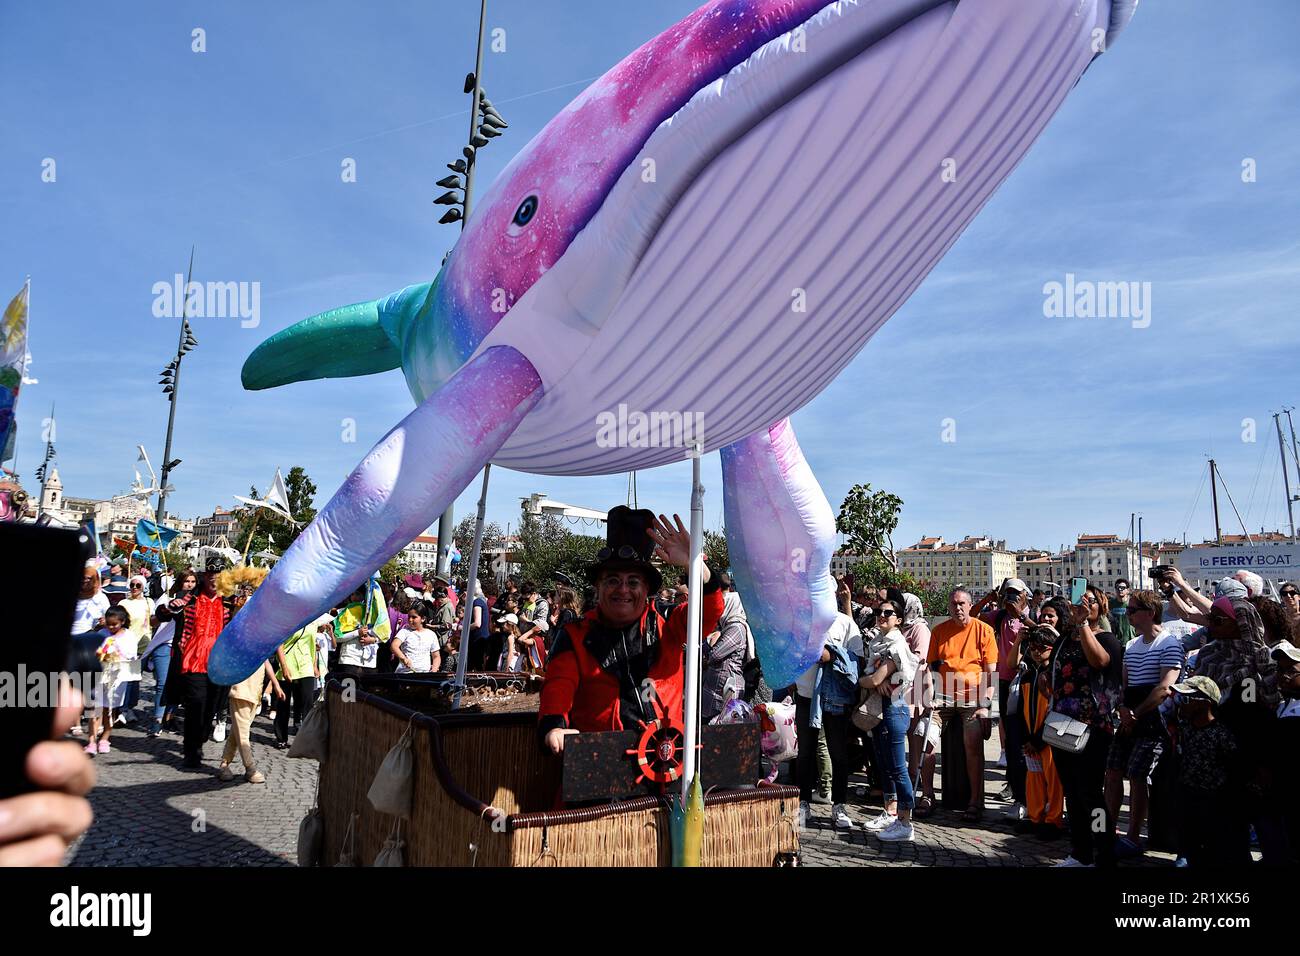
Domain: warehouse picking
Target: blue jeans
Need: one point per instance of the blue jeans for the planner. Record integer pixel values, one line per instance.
(890, 738)
(161, 656)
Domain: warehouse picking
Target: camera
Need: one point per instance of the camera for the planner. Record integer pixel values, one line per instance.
(1159, 572)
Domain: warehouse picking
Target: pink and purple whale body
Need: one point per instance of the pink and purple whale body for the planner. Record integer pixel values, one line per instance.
(746, 198)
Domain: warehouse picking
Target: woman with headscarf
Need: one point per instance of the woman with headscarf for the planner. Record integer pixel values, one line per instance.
(1239, 661)
(923, 734)
(723, 654)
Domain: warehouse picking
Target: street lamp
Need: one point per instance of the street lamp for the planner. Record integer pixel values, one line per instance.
(169, 379)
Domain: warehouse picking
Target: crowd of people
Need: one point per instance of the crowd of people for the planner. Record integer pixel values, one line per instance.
(1187, 704)
(1186, 701)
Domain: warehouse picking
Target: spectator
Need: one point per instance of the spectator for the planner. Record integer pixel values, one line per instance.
(297, 671)
(1153, 663)
(1085, 678)
(1291, 604)
(965, 651)
(1036, 603)
(141, 610)
(416, 647)
(507, 633)
(923, 730)
(530, 646)
(200, 619)
(536, 608)
(1241, 665)
(362, 623)
(1044, 796)
(92, 602)
(157, 655)
(1273, 615)
(1120, 625)
(890, 671)
(115, 641)
(1253, 582)
(1207, 750)
(723, 658)
(1286, 743)
(566, 601)
(1008, 618)
(479, 627)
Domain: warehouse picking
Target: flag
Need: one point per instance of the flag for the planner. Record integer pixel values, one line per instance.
(88, 526)
(13, 362)
(155, 536)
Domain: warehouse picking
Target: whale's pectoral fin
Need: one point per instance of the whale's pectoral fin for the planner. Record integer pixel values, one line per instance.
(780, 535)
(406, 481)
(359, 339)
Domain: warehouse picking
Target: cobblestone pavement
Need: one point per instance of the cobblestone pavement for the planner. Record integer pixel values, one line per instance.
(151, 812)
(944, 839)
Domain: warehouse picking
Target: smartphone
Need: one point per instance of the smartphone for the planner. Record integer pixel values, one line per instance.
(1078, 587)
(33, 655)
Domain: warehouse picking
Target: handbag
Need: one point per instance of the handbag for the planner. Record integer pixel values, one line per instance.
(1061, 731)
(869, 712)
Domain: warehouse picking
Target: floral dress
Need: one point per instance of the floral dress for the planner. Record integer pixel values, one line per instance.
(1082, 691)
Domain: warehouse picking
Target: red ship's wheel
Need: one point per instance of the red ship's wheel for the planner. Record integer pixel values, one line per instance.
(659, 751)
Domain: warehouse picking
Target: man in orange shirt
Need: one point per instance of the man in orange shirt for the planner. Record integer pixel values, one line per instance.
(964, 656)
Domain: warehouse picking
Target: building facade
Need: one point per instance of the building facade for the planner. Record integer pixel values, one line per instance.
(977, 563)
(421, 554)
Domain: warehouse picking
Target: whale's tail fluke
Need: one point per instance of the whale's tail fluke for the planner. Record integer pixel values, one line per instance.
(359, 339)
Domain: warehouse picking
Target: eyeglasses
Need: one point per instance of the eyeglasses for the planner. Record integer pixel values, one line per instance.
(626, 553)
(633, 582)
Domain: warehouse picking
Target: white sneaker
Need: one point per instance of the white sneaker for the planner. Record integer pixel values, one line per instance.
(840, 818)
(1070, 861)
(1018, 812)
(882, 822)
(897, 832)
(803, 813)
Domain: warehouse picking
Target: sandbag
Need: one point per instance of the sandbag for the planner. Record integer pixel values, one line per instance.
(394, 783)
(313, 738)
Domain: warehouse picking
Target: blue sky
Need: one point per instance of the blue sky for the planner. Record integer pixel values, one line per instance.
(1062, 425)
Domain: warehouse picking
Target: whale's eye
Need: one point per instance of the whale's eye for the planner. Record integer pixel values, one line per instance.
(527, 209)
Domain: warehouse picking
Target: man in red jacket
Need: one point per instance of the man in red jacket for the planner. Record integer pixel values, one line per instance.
(606, 669)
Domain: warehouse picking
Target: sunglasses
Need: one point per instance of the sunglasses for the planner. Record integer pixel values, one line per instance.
(886, 613)
(1290, 593)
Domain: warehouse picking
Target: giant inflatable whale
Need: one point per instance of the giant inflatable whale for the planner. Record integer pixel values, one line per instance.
(715, 227)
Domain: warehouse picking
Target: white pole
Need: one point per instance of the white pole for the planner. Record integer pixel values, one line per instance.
(462, 658)
(694, 624)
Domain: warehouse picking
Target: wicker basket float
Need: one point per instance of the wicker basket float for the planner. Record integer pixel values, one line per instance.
(486, 756)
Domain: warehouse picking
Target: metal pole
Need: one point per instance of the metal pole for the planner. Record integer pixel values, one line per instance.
(1286, 479)
(1214, 497)
(176, 386)
(1295, 451)
(462, 657)
(1139, 571)
(694, 624)
(446, 522)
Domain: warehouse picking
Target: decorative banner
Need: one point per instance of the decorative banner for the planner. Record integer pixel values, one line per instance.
(13, 357)
(125, 545)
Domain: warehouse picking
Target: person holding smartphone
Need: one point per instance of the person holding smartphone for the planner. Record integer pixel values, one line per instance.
(1085, 677)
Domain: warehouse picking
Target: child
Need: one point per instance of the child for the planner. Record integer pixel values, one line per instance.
(1044, 795)
(244, 698)
(114, 656)
(416, 645)
(1206, 748)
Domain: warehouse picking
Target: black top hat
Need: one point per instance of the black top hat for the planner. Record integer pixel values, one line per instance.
(627, 545)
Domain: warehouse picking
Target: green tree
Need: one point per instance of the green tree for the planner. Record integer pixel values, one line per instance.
(548, 547)
(868, 519)
(715, 548)
(463, 535)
